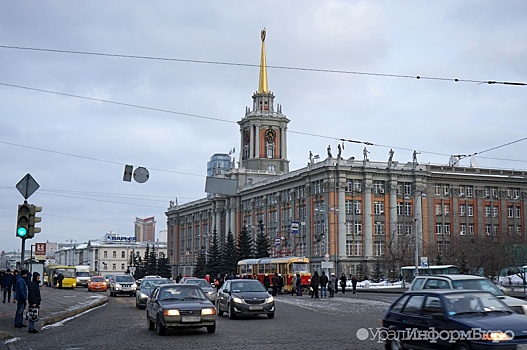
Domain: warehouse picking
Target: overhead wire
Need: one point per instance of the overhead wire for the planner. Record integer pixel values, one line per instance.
(237, 64)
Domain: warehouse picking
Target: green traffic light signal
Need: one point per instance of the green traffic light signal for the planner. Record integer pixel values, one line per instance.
(22, 224)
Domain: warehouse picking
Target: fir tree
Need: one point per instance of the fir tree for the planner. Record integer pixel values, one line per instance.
(151, 261)
(229, 262)
(244, 247)
(163, 266)
(201, 266)
(214, 255)
(262, 243)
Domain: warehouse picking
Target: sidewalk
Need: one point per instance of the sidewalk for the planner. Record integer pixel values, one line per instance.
(57, 304)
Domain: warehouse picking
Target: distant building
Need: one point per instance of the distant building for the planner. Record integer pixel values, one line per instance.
(219, 164)
(145, 229)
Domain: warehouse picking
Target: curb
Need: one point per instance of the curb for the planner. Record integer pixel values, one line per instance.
(4, 335)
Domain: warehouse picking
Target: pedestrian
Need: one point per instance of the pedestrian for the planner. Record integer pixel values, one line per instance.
(276, 283)
(60, 278)
(33, 300)
(354, 283)
(315, 282)
(266, 282)
(179, 277)
(280, 283)
(336, 285)
(331, 285)
(324, 285)
(343, 281)
(21, 295)
(298, 285)
(207, 278)
(15, 274)
(7, 284)
(293, 285)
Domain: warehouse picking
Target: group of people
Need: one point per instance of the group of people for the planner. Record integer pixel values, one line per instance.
(26, 292)
(330, 284)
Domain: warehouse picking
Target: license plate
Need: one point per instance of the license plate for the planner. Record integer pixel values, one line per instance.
(190, 319)
(256, 307)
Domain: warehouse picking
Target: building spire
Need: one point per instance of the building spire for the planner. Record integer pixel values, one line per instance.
(262, 84)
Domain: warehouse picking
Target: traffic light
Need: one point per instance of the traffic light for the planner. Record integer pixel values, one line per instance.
(33, 219)
(22, 223)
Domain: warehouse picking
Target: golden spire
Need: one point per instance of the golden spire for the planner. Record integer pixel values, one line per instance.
(262, 84)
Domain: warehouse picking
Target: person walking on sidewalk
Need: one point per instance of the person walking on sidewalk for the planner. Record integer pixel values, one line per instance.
(33, 299)
(7, 284)
(21, 298)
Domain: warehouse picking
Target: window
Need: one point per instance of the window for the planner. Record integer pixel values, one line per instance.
(357, 187)
(378, 208)
(407, 188)
(469, 191)
(446, 190)
(123, 254)
(446, 209)
(413, 306)
(488, 229)
(114, 267)
(114, 254)
(461, 191)
(408, 229)
(358, 228)
(438, 209)
(518, 211)
(510, 229)
(269, 149)
(487, 211)
(495, 230)
(400, 228)
(471, 229)
(378, 187)
(122, 267)
(486, 192)
(399, 208)
(516, 193)
(495, 211)
(437, 190)
(462, 209)
(105, 254)
(462, 229)
(349, 228)
(356, 248)
(349, 185)
(470, 210)
(349, 206)
(494, 192)
(379, 248)
(439, 228)
(446, 228)
(519, 230)
(379, 228)
(433, 283)
(407, 209)
(357, 205)
(510, 211)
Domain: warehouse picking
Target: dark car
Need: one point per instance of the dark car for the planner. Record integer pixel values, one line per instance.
(145, 288)
(205, 286)
(179, 306)
(244, 297)
(452, 319)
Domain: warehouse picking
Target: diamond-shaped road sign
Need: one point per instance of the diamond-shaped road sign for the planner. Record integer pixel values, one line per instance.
(27, 186)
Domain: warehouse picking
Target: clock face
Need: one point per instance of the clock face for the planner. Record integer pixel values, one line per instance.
(270, 135)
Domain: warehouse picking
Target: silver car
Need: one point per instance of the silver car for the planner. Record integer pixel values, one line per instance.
(205, 286)
(146, 287)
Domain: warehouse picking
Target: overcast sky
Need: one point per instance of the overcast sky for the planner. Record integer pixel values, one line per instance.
(76, 148)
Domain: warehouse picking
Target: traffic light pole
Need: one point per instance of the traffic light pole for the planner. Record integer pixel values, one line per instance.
(23, 250)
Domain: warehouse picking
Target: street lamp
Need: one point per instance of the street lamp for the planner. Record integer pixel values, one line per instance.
(418, 223)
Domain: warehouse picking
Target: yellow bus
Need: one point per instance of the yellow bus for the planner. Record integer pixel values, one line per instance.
(51, 276)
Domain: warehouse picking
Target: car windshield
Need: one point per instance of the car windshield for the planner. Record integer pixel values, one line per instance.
(182, 293)
(474, 303)
(300, 267)
(246, 286)
(83, 274)
(97, 279)
(201, 283)
(154, 282)
(478, 284)
(66, 272)
(124, 279)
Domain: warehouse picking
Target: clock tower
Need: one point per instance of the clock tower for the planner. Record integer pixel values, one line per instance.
(263, 129)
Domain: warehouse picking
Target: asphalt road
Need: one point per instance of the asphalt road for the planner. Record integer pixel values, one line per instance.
(302, 323)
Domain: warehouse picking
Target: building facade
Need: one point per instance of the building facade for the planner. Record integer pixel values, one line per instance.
(145, 229)
(351, 212)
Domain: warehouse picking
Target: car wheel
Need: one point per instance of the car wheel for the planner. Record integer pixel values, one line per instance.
(218, 307)
(271, 315)
(394, 344)
(230, 310)
(160, 328)
(151, 325)
(462, 346)
(211, 329)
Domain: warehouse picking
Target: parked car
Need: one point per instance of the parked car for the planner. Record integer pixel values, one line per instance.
(179, 306)
(186, 278)
(122, 284)
(97, 283)
(460, 281)
(205, 286)
(145, 289)
(452, 319)
(244, 297)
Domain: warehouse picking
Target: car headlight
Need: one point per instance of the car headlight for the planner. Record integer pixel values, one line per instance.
(171, 313)
(117, 285)
(143, 296)
(497, 336)
(238, 300)
(269, 300)
(210, 311)
(134, 287)
(524, 308)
